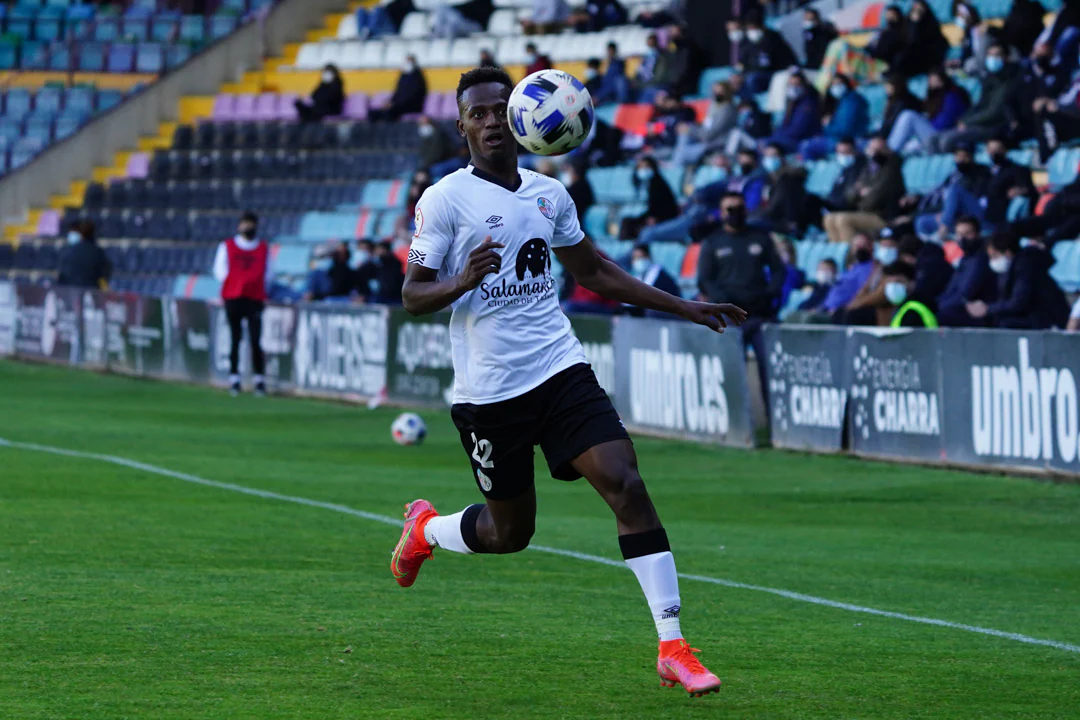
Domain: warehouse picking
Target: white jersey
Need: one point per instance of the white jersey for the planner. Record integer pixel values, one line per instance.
(508, 335)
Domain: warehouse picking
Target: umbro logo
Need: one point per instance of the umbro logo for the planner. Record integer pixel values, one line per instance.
(416, 257)
(671, 612)
(495, 221)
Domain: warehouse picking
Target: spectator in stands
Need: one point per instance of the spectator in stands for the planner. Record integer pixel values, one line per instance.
(817, 34)
(548, 16)
(685, 63)
(932, 271)
(794, 277)
(380, 280)
(1008, 182)
(599, 15)
(852, 164)
(577, 184)
(1022, 26)
(1057, 121)
(694, 142)
(972, 279)
(652, 273)
(669, 112)
(327, 100)
(1028, 297)
(890, 41)
(751, 125)
(614, 85)
(487, 59)
(963, 192)
(650, 74)
(1044, 79)
(674, 13)
(435, 145)
(863, 309)
(242, 266)
(846, 114)
(924, 47)
(1074, 317)
(740, 265)
(875, 195)
(762, 53)
(579, 299)
(659, 200)
(338, 281)
(784, 210)
(702, 209)
(454, 20)
(991, 114)
(899, 287)
(976, 40)
(824, 280)
(802, 117)
(594, 80)
(945, 103)
(537, 61)
(383, 19)
(860, 267)
(1063, 35)
(83, 263)
(409, 94)
(898, 101)
(1060, 218)
(405, 225)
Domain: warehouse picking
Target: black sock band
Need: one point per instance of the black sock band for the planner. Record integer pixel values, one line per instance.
(468, 528)
(638, 545)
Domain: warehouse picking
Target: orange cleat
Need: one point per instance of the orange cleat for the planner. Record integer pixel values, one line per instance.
(412, 549)
(678, 666)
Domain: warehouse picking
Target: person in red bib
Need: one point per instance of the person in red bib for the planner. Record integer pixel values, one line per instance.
(242, 265)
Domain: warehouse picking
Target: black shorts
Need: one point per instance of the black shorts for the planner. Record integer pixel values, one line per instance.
(565, 415)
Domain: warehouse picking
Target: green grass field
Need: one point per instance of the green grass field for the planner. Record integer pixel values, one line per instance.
(125, 593)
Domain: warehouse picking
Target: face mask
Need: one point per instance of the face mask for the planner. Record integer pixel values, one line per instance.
(961, 23)
(361, 257)
(735, 35)
(793, 92)
(886, 255)
(825, 277)
(639, 266)
(771, 163)
(426, 130)
(1000, 264)
(736, 218)
(719, 97)
(863, 255)
(845, 161)
(566, 179)
(892, 22)
(808, 24)
(994, 64)
(1043, 62)
(880, 158)
(74, 237)
(719, 174)
(327, 76)
(532, 56)
(895, 292)
(248, 233)
(754, 35)
(746, 169)
(998, 158)
(837, 91)
(591, 74)
(963, 167)
(644, 174)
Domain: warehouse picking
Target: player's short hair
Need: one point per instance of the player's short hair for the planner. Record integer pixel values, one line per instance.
(1005, 241)
(830, 262)
(970, 220)
(901, 268)
(480, 76)
(731, 195)
(909, 245)
(249, 216)
(643, 247)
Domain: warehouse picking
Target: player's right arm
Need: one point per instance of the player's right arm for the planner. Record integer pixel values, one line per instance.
(424, 293)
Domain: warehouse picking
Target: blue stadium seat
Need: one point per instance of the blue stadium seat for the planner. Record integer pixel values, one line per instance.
(79, 99)
(821, 176)
(49, 99)
(107, 29)
(150, 58)
(165, 28)
(193, 29)
(292, 259)
(613, 184)
(1062, 168)
(17, 104)
(376, 194)
(222, 25)
(670, 255)
(711, 75)
(1066, 271)
(107, 99)
(596, 222)
(92, 57)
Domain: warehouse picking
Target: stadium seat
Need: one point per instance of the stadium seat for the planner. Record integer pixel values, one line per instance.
(150, 58)
(121, 58)
(1062, 168)
(92, 57)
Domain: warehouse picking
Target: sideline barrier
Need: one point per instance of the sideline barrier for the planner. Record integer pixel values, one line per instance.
(975, 398)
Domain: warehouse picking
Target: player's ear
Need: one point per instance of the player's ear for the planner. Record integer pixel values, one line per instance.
(460, 127)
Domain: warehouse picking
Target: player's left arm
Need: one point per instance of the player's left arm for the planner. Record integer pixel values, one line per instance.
(604, 277)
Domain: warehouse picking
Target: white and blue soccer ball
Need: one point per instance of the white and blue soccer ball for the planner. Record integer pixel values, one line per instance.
(551, 112)
(408, 429)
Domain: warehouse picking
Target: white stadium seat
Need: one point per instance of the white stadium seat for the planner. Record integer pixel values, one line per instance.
(511, 50)
(352, 55)
(504, 22)
(310, 56)
(416, 25)
(372, 55)
(466, 51)
(346, 29)
(394, 55)
(438, 53)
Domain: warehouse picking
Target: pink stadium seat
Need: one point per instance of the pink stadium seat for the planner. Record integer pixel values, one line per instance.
(224, 107)
(266, 106)
(245, 107)
(49, 224)
(138, 165)
(286, 106)
(356, 106)
(449, 110)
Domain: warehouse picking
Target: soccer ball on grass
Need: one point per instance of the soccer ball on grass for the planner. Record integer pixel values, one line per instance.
(408, 429)
(551, 112)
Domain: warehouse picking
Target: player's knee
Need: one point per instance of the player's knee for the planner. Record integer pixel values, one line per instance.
(513, 538)
(628, 497)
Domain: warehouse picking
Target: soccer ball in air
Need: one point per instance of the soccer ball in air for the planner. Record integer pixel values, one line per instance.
(551, 112)
(408, 429)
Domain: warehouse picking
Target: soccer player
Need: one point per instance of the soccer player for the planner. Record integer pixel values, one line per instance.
(483, 242)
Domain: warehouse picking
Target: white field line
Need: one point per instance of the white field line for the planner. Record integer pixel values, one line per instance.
(385, 519)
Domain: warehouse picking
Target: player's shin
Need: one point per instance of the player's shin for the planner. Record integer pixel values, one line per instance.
(457, 532)
(649, 555)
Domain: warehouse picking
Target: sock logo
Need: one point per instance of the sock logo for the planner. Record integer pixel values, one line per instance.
(671, 612)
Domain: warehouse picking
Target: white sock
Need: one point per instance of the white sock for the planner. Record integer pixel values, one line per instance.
(444, 531)
(234, 379)
(259, 380)
(660, 583)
